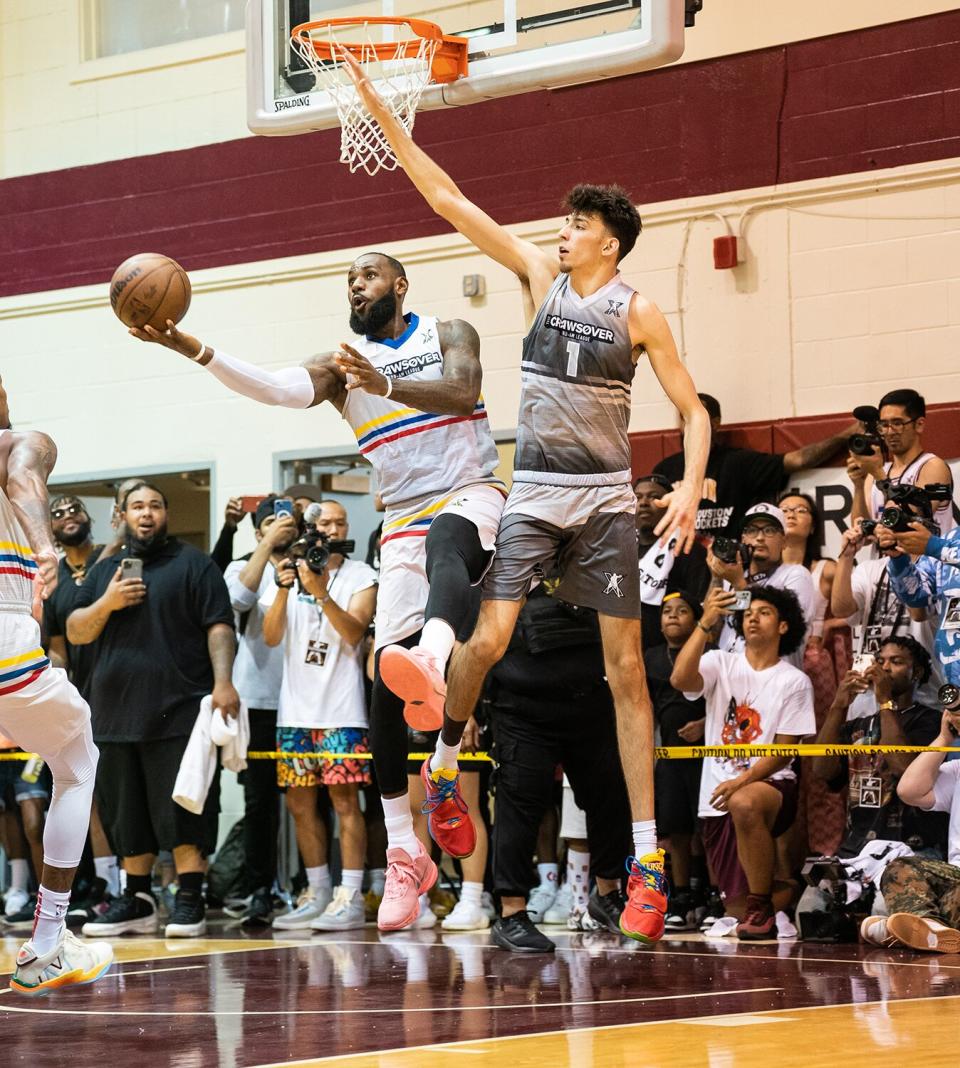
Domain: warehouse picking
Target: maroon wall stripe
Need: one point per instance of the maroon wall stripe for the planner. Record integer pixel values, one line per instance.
(880, 97)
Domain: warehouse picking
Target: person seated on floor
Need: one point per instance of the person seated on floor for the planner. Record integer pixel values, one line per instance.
(753, 697)
(923, 895)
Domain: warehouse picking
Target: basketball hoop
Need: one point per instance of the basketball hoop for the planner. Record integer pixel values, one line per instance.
(402, 69)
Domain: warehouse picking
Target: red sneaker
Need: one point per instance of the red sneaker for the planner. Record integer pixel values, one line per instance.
(448, 817)
(646, 906)
(407, 878)
(413, 676)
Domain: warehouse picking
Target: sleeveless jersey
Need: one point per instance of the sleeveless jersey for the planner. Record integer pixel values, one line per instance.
(417, 454)
(943, 517)
(575, 400)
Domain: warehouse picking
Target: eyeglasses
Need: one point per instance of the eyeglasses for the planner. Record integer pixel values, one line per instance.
(896, 425)
(70, 509)
(755, 532)
(799, 510)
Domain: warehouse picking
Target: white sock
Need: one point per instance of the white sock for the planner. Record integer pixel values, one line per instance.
(352, 879)
(319, 878)
(398, 820)
(445, 756)
(108, 870)
(644, 837)
(19, 874)
(437, 637)
(578, 876)
(549, 874)
(48, 921)
(378, 876)
(471, 893)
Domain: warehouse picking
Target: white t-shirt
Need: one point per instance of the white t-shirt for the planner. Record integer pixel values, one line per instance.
(258, 668)
(747, 707)
(322, 684)
(793, 577)
(946, 798)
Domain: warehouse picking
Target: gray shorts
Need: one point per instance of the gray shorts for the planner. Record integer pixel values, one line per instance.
(586, 535)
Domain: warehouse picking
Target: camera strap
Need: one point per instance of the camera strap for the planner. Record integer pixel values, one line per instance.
(880, 610)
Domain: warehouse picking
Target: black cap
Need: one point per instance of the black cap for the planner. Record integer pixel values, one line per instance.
(688, 599)
(264, 509)
(305, 491)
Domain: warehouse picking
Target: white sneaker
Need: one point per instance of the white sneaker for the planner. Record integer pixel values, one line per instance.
(344, 913)
(580, 919)
(310, 906)
(15, 901)
(426, 919)
(562, 906)
(70, 963)
(466, 917)
(540, 899)
(873, 929)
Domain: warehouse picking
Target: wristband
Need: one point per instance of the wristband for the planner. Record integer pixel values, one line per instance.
(706, 630)
(199, 355)
(887, 706)
(323, 600)
(389, 386)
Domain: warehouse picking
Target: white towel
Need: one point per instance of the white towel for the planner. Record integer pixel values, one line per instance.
(199, 763)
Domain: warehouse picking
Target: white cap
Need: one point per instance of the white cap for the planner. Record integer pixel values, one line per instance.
(771, 511)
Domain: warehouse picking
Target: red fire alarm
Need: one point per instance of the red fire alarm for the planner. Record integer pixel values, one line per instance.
(724, 252)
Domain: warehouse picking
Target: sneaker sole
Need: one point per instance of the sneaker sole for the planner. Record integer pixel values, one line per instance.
(647, 940)
(757, 936)
(505, 943)
(913, 931)
(147, 925)
(425, 887)
(298, 925)
(403, 676)
(72, 979)
(603, 920)
(351, 925)
(185, 930)
(484, 926)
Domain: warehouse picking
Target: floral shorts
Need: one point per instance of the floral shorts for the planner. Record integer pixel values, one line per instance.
(295, 770)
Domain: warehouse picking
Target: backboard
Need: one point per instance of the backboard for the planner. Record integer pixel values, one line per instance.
(516, 46)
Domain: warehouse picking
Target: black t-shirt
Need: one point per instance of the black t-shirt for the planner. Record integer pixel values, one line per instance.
(689, 574)
(152, 666)
(873, 809)
(671, 709)
(80, 658)
(743, 477)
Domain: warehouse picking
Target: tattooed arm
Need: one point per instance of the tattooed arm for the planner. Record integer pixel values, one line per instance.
(31, 459)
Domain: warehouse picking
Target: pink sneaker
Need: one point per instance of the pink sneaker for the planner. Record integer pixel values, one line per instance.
(407, 878)
(413, 676)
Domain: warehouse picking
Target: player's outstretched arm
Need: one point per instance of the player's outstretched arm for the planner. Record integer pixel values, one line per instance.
(31, 459)
(456, 393)
(531, 264)
(649, 328)
(316, 380)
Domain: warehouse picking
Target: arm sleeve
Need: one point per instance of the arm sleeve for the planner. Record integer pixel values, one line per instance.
(914, 584)
(222, 552)
(291, 387)
(947, 549)
(242, 598)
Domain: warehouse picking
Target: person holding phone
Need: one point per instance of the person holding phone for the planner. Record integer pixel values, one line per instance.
(161, 616)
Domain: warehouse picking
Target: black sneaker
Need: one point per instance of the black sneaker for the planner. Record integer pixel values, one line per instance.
(127, 914)
(518, 934)
(681, 912)
(606, 908)
(23, 920)
(188, 918)
(259, 912)
(715, 911)
(85, 906)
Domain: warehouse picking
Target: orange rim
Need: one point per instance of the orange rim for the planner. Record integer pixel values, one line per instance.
(449, 60)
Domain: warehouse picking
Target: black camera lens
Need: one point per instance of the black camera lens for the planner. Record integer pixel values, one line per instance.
(948, 695)
(726, 550)
(862, 444)
(868, 527)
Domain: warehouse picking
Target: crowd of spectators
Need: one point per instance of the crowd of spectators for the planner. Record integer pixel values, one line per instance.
(754, 637)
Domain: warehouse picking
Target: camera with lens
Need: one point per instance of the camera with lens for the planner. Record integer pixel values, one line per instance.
(315, 548)
(729, 551)
(910, 504)
(948, 695)
(864, 444)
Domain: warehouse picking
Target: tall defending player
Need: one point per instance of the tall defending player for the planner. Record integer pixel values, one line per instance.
(571, 499)
(410, 389)
(42, 711)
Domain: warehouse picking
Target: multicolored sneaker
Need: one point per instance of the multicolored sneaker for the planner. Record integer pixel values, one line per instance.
(448, 817)
(413, 676)
(646, 907)
(70, 963)
(407, 878)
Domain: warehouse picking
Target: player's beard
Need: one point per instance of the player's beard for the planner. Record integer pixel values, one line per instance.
(145, 547)
(378, 315)
(77, 537)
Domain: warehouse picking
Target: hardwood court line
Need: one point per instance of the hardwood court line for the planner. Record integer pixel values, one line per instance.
(804, 959)
(528, 1005)
(450, 1047)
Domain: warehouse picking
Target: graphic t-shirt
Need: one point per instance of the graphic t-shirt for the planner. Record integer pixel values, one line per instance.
(747, 707)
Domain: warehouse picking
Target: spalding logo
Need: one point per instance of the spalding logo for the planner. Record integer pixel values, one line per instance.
(120, 286)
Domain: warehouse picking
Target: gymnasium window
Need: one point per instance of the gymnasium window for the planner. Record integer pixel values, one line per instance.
(121, 26)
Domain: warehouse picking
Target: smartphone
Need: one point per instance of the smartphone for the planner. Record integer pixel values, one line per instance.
(741, 601)
(251, 504)
(282, 506)
(131, 568)
(862, 662)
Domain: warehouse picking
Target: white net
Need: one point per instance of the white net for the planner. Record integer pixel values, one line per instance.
(400, 80)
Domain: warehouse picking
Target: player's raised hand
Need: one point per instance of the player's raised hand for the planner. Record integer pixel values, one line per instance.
(171, 338)
(680, 518)
(372, 100)
(360, 372)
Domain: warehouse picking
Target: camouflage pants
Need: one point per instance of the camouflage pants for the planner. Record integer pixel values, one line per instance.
(924, 887)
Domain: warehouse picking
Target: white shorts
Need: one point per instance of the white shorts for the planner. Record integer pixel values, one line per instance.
(46, 713)
(403, 589)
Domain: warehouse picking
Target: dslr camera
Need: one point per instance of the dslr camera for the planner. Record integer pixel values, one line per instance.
(907, 504)
(315, 549)
(864, 444)
(729, 551)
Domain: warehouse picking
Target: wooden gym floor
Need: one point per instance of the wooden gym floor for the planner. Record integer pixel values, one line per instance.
(425, 998)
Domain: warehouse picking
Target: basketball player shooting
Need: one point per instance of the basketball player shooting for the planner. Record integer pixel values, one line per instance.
(410, 389)
(571, 502)
(43, 712)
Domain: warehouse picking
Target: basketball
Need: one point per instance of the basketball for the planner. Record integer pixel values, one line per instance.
(148, 289)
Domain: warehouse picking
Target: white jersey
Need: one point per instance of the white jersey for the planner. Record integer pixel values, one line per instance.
(417, 454)
(943, 511)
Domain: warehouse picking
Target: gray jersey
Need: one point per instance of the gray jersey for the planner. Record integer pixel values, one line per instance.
(575, 401)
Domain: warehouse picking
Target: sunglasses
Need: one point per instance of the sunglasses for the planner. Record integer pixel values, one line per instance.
(70, 509)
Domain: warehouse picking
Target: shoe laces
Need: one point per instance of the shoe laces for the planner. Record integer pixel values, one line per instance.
(652, 874)
(399, 876)
(342, 897)
(443, 790)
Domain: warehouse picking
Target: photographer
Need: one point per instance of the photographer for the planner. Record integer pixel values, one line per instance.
(763, 538)
(257, 674)
(900, 421)
(879, 707)
(753, 697)
(322, 708)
